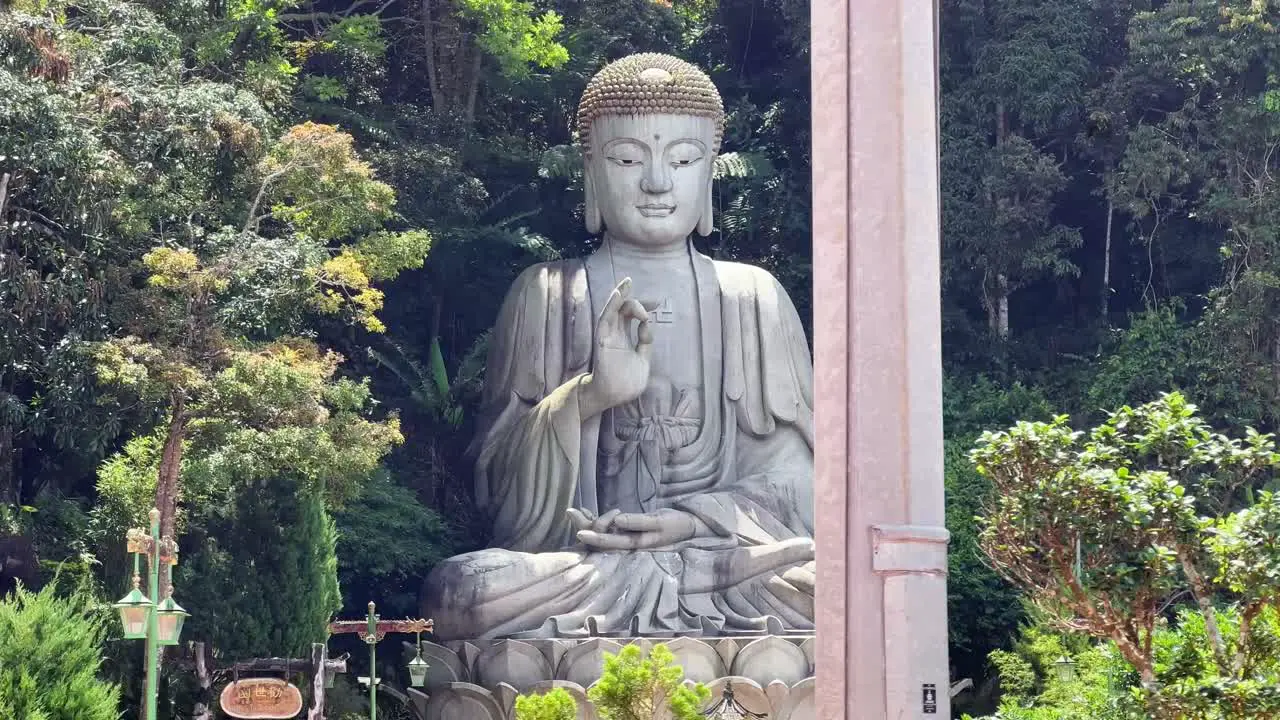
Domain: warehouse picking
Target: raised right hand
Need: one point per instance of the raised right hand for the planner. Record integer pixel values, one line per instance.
(620, 371)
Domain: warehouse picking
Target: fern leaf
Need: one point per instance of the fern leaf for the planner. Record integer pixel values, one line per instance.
(561, 161)
(743, 165)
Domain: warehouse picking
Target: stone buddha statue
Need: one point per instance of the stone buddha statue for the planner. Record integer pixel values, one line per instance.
(645, 440)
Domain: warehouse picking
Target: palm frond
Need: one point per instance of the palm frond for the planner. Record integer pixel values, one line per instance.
(743, 165)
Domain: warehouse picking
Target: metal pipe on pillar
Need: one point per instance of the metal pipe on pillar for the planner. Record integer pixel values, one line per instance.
(881, 591)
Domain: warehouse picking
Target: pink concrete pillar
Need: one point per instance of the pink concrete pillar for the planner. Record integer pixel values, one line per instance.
(881, 606)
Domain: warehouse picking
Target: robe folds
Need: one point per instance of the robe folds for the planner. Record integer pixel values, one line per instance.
(738, 457)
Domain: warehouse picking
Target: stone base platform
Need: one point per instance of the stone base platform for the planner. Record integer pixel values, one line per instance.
(479, 680)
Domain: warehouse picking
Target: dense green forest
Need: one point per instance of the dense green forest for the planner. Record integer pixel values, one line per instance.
(250, 249)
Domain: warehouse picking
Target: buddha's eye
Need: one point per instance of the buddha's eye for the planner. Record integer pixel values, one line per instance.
(626, 154)
(684, 155)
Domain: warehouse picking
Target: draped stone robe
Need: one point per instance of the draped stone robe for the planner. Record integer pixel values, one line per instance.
(739, 457)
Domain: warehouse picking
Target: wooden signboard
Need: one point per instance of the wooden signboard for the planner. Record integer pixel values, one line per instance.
(261, 699)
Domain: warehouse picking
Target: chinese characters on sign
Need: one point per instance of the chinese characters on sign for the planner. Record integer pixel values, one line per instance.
(261, 699)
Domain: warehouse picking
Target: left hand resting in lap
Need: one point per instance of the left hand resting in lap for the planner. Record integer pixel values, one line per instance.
(616, 530)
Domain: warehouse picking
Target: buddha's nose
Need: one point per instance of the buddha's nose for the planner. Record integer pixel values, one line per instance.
(656, 179)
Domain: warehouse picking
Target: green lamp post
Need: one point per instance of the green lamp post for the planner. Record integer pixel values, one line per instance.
(371, 639)
(157, 623)
(372, 630)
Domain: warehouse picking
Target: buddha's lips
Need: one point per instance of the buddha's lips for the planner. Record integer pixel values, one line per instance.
(653, 210)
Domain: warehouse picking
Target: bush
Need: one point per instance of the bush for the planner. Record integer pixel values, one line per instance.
(50, 653)
(557, 704)
(639, 687)
(1103, 686)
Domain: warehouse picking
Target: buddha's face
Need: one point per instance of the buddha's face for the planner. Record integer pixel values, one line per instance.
(651, 175)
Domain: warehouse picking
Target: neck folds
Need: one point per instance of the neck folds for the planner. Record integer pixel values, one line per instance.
(631, 252)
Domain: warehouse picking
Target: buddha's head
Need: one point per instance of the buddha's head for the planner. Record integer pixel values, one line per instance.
(650, 126)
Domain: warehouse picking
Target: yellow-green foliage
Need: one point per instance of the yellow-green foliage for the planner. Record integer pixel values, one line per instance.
(272, 410)
(515, 36)
(386, 254)
(556, 704)
(325, 192)
(320, 185)
(636, 686)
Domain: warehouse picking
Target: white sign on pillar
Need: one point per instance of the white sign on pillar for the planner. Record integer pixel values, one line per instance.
(881, 605)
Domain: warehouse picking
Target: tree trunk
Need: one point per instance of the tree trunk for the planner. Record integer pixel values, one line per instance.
(1106, 261)
(167, 482)
(429, 48)
(1244, 640)
(1001, 316)
(1204, 600)
(203, 707)
(319, 657)
(4, 194)
(1142, 661)
(998, 309)
(453, 60)
(473, 85)
(9, 491)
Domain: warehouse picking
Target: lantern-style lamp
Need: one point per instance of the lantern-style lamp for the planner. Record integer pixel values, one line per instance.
(134, 609)
(171, 616)
(417, 666)
(418, 671)
(1065, 669)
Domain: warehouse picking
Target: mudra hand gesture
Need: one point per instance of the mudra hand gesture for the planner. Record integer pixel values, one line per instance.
(616, 530)
(621, 370)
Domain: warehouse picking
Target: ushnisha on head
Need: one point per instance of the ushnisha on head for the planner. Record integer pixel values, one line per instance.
(650, 126)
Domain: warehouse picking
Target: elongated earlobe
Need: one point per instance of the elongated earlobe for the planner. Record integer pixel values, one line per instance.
(706, 221)
(593, 220)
